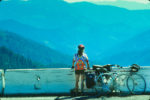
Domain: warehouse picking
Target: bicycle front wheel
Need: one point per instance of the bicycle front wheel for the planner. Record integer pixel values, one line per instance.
(139, 84)
(121, 84)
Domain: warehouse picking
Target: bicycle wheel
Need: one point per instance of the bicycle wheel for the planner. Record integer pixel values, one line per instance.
(104, 85)
(98, 87)
(120, 85)
(139, 84)
(108, 85)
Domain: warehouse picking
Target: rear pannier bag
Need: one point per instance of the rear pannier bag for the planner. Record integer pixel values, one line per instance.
(90, 80)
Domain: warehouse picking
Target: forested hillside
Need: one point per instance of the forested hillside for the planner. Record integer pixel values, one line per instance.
(44, 56)
(10, 60)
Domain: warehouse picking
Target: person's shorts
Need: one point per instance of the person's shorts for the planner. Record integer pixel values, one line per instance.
(79, 71)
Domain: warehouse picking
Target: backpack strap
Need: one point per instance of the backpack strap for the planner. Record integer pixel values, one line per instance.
(83, 59)
(77, 58)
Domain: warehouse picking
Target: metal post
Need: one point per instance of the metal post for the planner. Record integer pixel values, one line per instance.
(3, 82)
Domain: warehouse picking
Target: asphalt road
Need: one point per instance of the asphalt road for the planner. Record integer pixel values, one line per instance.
(137, 97)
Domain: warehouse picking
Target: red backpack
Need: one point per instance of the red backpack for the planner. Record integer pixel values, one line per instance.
(80, 62)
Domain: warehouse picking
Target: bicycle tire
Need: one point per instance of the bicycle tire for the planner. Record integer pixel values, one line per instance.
(120, 85)
(139, 84)
(104, 87)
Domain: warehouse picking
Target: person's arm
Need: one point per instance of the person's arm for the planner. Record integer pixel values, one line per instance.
(87, 61)
(73, 63)
(88, 65)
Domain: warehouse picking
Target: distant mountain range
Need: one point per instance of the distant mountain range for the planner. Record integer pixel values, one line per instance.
(10, 60)
(135, 50)
(62, 26)
(131, 4)
(32, 50)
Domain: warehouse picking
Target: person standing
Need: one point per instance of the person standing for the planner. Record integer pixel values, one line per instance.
(80, 61)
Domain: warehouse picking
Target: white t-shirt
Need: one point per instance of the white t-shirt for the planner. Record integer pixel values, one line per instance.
(84, 56)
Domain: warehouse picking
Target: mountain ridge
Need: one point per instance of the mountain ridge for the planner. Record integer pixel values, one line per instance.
(32, 50)
(99, 28)
(134, 50)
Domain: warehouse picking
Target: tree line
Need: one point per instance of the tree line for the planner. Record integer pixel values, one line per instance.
(10, 60)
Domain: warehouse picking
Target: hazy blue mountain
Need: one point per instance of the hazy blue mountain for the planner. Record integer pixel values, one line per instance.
(32, 50)
(63, 26)
(95, 40)
(135, 50)
(52, 38)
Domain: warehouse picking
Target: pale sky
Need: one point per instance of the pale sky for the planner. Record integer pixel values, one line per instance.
(129, 4)
(138, 1)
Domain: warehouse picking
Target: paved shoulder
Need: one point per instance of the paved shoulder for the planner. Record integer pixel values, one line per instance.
(138, 97)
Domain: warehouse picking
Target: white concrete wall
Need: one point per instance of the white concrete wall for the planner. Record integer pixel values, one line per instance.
(51, 81)
(1, 81)
(24, 81)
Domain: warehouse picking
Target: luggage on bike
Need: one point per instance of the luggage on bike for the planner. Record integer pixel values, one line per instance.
(108, 67)
(102, 69)
(90, 80)
(135, 68)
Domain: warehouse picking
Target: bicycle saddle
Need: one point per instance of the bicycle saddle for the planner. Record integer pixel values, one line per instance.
(99, 69)
(97, 66)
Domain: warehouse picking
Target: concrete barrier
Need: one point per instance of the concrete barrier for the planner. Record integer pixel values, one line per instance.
(39, 81)
(44, 81)
(2, 82)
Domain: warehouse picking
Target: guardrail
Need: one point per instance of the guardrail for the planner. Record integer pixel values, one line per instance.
(2, 82)
(42, 81)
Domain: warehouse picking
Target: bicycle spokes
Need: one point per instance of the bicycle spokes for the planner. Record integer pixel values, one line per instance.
(139, 84)
(121, 84)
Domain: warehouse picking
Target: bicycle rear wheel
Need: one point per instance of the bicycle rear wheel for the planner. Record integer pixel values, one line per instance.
(138, 82)
(104, 86)
(121, 85)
